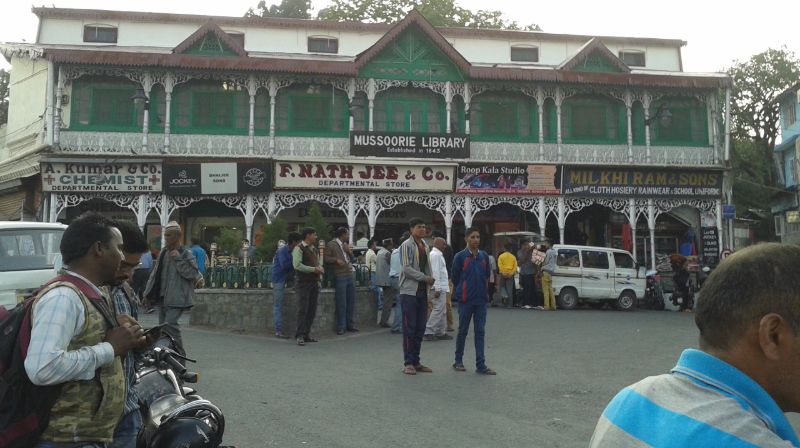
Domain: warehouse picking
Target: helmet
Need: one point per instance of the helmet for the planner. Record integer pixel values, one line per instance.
(184, 432)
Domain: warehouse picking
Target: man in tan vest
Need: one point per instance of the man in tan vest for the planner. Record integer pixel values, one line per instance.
(75, 342)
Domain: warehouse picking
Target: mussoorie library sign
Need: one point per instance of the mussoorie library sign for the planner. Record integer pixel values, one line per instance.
(400, 145)
(129, 176)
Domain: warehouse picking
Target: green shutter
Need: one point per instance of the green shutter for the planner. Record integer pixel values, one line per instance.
(412, 56)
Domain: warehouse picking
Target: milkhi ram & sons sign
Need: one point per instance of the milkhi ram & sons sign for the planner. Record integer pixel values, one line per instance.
(384, 176)
(640, 183)
(123, 177)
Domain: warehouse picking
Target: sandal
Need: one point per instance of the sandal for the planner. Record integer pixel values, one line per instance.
(301, 342)
(409, 370)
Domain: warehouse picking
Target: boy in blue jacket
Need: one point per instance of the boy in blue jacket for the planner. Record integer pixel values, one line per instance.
(471, 271)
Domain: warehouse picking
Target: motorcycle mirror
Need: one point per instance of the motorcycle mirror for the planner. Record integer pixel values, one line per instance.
(191, 377)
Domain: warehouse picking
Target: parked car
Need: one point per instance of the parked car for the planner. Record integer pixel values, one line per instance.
(596, 276)
(29, 257)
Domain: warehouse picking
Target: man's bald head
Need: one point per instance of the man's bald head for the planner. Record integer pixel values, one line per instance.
(439, 243)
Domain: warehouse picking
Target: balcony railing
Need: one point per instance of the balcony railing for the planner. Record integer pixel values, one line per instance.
(76, 142)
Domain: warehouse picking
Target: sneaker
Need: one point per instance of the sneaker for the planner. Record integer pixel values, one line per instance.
(423, 369)
(301, 341)
(280, 335)
(458, 367)
(444, 337)
(486, 371)
(540, 308)
(527, 307)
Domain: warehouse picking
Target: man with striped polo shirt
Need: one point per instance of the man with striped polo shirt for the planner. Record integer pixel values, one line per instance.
(734, 390)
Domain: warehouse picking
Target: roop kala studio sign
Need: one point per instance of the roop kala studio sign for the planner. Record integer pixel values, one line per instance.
(417, 145)
(358, 176)
(642, 183)
(126, 177)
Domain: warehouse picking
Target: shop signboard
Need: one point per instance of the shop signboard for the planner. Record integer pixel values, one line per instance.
(509, 179)
(728, 211)
(123, 177)
(641, 183)
(710, 238)
(253, 178)
(416, 145)
(217, 178)
(364, 176)
(182, 180)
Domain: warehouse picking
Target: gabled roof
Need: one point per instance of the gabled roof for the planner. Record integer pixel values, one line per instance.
(414, 18)
(209, 27)
(594, 45)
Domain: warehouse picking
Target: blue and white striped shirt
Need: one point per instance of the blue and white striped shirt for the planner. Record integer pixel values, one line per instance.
(58, 316)
(123, 307)
(703, 402)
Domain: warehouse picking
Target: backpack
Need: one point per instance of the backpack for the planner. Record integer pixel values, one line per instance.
(24, 406)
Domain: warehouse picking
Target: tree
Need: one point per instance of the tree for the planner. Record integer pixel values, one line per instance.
(229, 241)
(318, 222)
(272, 233)
(4, 79)
(754, 109)
(438, 12)
(751, 185)
(290, 9)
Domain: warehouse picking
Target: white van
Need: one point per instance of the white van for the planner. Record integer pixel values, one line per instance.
(29, 254)
(596, 275)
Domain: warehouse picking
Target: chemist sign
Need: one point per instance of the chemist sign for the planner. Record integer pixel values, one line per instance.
(128, 177)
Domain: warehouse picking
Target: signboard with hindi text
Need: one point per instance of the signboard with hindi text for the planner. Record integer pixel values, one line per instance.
(80, 176)
(362, 176)
(416, 145)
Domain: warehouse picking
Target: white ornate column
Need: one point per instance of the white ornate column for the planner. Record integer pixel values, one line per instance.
(727, 124)
(147, 86)
(448, 216)
(273, 87)
(53, 214)
(540, 106)
(163, 213)
(351, 214)
(651, 226)
(558, 100)
(632, 218)
(467, 100)
(562, 219)
(142, 210)
(169, 85)
(468, 211)
(272, 207)
(57, 119)
(448, 100)
(542, 216)
(646, 108)
(351, 94)
(252, 90)
(629, 113)
(372, 90)
(718, 207)
(249, 216)
(372, 214)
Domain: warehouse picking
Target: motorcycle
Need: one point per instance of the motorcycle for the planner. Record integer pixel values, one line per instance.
(174, 415)
(653, 293)
(678, 299)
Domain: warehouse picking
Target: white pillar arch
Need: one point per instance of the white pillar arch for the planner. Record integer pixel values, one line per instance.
(448, 216)
(147, 86)
(718, 208)
(540, 106)
(249, 216)
(142, 210)
(164, 213)
(467, 100)
(562, 219)
(558, 100)
(646, 108)
(169, 85)
(468, 211)
(272, 207)
(53, 214)
(632, 219)
(272, 86)
(727, 124)
(372, 214)
(372, 90)
(651, 226)
(629, 113)
(351, 214)
(57, 119)
(252, 89)
(542, 216)
(448, 100)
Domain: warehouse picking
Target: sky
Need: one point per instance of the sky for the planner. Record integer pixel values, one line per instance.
(717, 32)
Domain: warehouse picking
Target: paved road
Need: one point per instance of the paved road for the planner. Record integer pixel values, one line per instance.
(556, 372)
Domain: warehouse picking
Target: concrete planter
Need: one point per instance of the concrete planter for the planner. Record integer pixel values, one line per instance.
(250, 310)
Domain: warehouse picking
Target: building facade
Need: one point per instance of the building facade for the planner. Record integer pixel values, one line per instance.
(585, 139)
(785, 211)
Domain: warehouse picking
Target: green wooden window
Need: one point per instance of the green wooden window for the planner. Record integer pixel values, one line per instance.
(104, 104)
(687, 127)
(500, 116)
(550, 124)
(593, 120)
(410, 110)
(211, 45)
(216, 108)
(312, 110)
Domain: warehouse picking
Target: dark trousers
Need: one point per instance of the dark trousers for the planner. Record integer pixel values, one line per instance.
(345, 302)
(389, 294)
(415, 318)
(528, 289)
(307, 293)
(476, 313)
